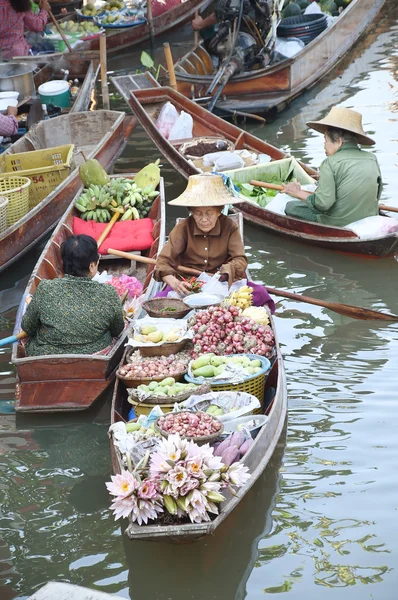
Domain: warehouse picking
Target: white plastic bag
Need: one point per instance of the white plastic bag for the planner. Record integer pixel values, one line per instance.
(313, 9)
(212, 285)
(228, 161)
(373, 227)
(182, 128)
(236, 404)
(166, 119)
(289, 47)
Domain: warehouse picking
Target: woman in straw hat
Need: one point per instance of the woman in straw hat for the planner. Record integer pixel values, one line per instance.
(350, 181)
(207, 240)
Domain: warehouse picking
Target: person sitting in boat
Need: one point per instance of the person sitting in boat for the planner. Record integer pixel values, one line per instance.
(15, 17)
(350, 181)
(8, 122)
(73, 314)
(206, 241)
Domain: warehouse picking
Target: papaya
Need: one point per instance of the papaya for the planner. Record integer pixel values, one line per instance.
(291, 10)
(149, 175)
(91, 172)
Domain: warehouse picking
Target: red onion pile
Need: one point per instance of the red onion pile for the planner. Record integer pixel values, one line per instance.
(156, 366)
(223, 330)
(189, 424)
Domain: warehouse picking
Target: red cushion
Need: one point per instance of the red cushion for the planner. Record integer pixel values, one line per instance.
(125, 235)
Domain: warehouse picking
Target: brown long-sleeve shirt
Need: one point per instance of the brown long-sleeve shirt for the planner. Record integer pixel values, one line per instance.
(221, 249)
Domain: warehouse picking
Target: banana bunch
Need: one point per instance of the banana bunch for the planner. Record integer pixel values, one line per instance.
(242, 298)
(92, 204)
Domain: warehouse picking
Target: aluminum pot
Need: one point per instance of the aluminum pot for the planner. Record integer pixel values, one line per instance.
(17, 76)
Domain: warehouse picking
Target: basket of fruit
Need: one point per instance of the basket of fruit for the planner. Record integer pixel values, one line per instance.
(198, 427)
(159, 339)
(171, 308)
(165, 391)
(140, 370)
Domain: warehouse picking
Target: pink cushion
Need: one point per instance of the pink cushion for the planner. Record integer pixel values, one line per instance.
(125, 235)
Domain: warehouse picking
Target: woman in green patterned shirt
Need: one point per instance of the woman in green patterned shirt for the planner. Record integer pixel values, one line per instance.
(73, 314)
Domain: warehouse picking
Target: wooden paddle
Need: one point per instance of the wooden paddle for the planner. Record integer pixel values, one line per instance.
(355, 312)
(389, 208)
(12, 338)
(107, 229)
(58, 28)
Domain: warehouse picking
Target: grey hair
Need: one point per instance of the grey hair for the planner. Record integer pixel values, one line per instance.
(335, 134)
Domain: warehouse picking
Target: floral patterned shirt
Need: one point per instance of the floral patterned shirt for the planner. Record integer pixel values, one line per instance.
(72, 315)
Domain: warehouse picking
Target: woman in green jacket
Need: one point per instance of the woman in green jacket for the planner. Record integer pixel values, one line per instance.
(350, 180)
(73, 314)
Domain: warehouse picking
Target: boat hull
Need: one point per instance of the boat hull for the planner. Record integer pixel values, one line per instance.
(273, 87)
(28, 231)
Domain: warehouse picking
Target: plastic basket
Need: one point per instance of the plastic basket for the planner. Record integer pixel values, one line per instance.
(3, 214)
(45, 168)
(17, 192)
(254, 384)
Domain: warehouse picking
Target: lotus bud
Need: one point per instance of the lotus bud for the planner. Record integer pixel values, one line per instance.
(170, 462)
(164, 485)
(215, 497)
(224, 469)
(170, 504)
(215, 476)
(189, 496)
(182, 503)
(208, 472)
(129, 463)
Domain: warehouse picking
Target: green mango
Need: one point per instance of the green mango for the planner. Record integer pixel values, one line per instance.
(168, 381)
(132, 427)
(255, 363)
(202, 361)
(207, 371)
(217, 361)
(219, 370)
(153, 385)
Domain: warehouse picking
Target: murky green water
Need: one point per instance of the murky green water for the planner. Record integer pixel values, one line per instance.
(322, 520)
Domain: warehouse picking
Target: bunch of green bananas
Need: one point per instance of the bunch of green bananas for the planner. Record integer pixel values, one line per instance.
(92, 204)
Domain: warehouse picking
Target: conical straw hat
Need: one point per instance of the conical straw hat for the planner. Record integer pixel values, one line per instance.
(205, 190)
(343, 118)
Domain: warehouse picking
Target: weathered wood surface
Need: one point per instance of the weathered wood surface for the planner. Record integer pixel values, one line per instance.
(119, 39)
(74, 381)
(146, 105)
(260, 90)
(100, 134)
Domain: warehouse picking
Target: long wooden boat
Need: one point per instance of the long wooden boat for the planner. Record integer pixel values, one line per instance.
(98, 134)
(275, 401)
(118, 39)
(70, 382)
(146, 105)
(274, 86)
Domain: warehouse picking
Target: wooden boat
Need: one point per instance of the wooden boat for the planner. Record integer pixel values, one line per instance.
(274, 86)
(99, 134)
(118, 39)
(147, 103)
(275, 399)
(67, 382)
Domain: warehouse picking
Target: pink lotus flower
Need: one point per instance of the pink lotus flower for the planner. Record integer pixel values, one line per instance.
(177, 477)
(147, 490)
(237, 474)
(194, 467)
(122, 485)
(123, 507)
(145, 510)
(190, 485)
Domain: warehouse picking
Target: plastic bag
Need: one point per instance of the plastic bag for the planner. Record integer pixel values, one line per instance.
(229, 161)
(313, 9)
(236, 404)
(373, 227)
(182, 128)
(212, 285)
(289, 47)
(166, 119)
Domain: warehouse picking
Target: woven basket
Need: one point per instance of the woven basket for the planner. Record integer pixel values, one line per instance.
(144, 408)
(164, 349)
(156, 308)
(3, 214)
(201, 389)
(133, 383)
(200, 440)
(209, 145)
(16, 190)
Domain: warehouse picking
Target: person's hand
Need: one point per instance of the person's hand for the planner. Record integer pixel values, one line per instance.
(44, 5)
(293, 189)
(223, 277)
(181, 287)
(12, 111)
(198, 23)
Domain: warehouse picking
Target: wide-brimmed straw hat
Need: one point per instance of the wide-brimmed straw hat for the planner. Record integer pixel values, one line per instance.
(205, 190)
(343, 118)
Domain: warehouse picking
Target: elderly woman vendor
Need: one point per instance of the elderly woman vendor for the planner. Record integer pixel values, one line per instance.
(73, 314)
(207, 240)
(349, 182)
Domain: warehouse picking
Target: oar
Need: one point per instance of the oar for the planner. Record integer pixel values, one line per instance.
(61, 33)
(13, 338)
(107, 229)
(355, 312)
(389, 208)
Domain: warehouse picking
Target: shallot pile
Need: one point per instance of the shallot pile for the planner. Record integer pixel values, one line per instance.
(189, 424)
(156, 366)
(225, 330)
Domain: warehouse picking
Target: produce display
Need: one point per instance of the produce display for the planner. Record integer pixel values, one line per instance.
(167, 387)
(294, 8)
(139, 432)
(90, 9)
(104, 196)
(210, 365)
(194, 284)
(150, 333)
(189, 424)
(126, 284)
(224, 330)
(259, 314)
(233, 448)
(72, 27)
(155, 366)
(262, 196)
(242, 298)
